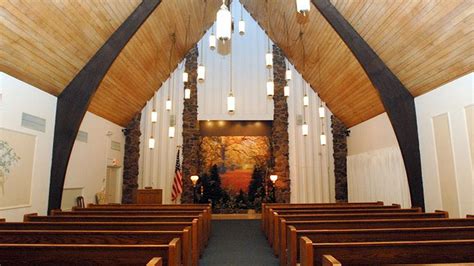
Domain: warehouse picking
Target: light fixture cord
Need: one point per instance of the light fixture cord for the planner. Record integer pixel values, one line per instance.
(241, 11)
(231, 90)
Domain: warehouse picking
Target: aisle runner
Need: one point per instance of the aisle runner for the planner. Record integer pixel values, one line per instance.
(238, 242)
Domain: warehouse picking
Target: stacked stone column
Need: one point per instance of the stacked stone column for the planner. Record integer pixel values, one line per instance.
(279, 138)
(191, 133)
(130, 161)
(339, 138)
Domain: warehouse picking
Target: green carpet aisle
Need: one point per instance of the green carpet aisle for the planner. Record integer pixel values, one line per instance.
(237, 242)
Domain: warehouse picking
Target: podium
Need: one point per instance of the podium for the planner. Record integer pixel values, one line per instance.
(149, 196)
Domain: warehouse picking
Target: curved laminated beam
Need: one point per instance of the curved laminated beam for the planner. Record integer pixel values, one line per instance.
(397, 100)
(73, 102)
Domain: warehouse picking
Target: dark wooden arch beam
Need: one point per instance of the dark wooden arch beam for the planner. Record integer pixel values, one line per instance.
(397, 100)
(73, 102)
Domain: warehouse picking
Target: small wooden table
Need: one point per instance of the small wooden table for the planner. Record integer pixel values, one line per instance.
(149, 196)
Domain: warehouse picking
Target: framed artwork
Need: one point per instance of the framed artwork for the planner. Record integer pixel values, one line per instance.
(17, 152)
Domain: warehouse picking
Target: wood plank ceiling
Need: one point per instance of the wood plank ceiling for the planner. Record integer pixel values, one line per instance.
(45, 43)
(426, 43)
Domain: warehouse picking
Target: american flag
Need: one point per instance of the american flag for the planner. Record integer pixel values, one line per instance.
(178, 180)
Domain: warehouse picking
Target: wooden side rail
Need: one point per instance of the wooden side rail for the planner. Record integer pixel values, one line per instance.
(103, 238)
(409, 252)
(345, 216)
(290, 256)
(329, 260)
(69, 254)
(113, 226)
(157, 261)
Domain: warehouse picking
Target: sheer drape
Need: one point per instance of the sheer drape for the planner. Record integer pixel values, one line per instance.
(378, 175)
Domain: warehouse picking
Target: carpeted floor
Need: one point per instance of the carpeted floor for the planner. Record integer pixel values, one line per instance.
(238, 242)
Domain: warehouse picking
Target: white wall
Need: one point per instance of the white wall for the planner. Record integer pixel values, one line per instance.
(375, 169)
(88, 162)
(19, 97)
(375, 140)
(451, 99)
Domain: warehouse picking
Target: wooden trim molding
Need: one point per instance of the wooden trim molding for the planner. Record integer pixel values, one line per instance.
(73, 102)
(397, 100)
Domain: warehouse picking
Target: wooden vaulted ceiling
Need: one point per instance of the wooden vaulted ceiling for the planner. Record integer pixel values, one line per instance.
(46, 43)
(426, 43)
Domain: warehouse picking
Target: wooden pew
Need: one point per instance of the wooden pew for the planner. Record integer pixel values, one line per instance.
(430, 251)
(271, 211)
(202, 234)
(157, 261)
(132, 212)
(70, 254)
(268, 208)
(113, 226)
(2, 220)
(371, 235)
(345, 216)
(280, 213)
(102, 238)
(365, 224)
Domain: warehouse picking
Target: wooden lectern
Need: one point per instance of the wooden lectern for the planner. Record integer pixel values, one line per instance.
(149, 196)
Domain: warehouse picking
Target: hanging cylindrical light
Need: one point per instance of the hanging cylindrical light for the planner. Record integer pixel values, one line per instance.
(187, 93)
(269, 59)
(322, 111)
(224, 23)
(303, 6)
(241, 27)
(201, 73)
(171, 131)
(185, 76)
(270, 88)
(288, 75)
(154, 116)
(168, 105)
(304, 129)
(212, 41)
(286, 91)
(151, 143)
(305, 100)
(231, 103)
(323, 139)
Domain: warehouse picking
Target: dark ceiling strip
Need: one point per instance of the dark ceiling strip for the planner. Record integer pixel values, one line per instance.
(73, 102)
(397, 100)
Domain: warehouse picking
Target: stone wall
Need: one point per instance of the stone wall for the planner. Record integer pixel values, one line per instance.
(279, 139)
(339, 136)
(191, 133)
(130, 161)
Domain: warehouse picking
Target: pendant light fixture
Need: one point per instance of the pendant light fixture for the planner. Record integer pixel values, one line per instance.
(171, 131)
(288, 75)
(323, 139)
(322, 110)
(187, 93)
(269, 56)
(305, 129)
(201, 71)
(185, 77)
(151, 143)
(231, 97)
(154, 114)
(224, 23)
(241, 21)
(305, 100)
(168, 103)
(286, 91)
(303, 6)
(212, 40)
(270, 87)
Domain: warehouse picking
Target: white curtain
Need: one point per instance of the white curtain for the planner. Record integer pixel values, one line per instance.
(157, 165)
(311, 165)
(378, 175)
